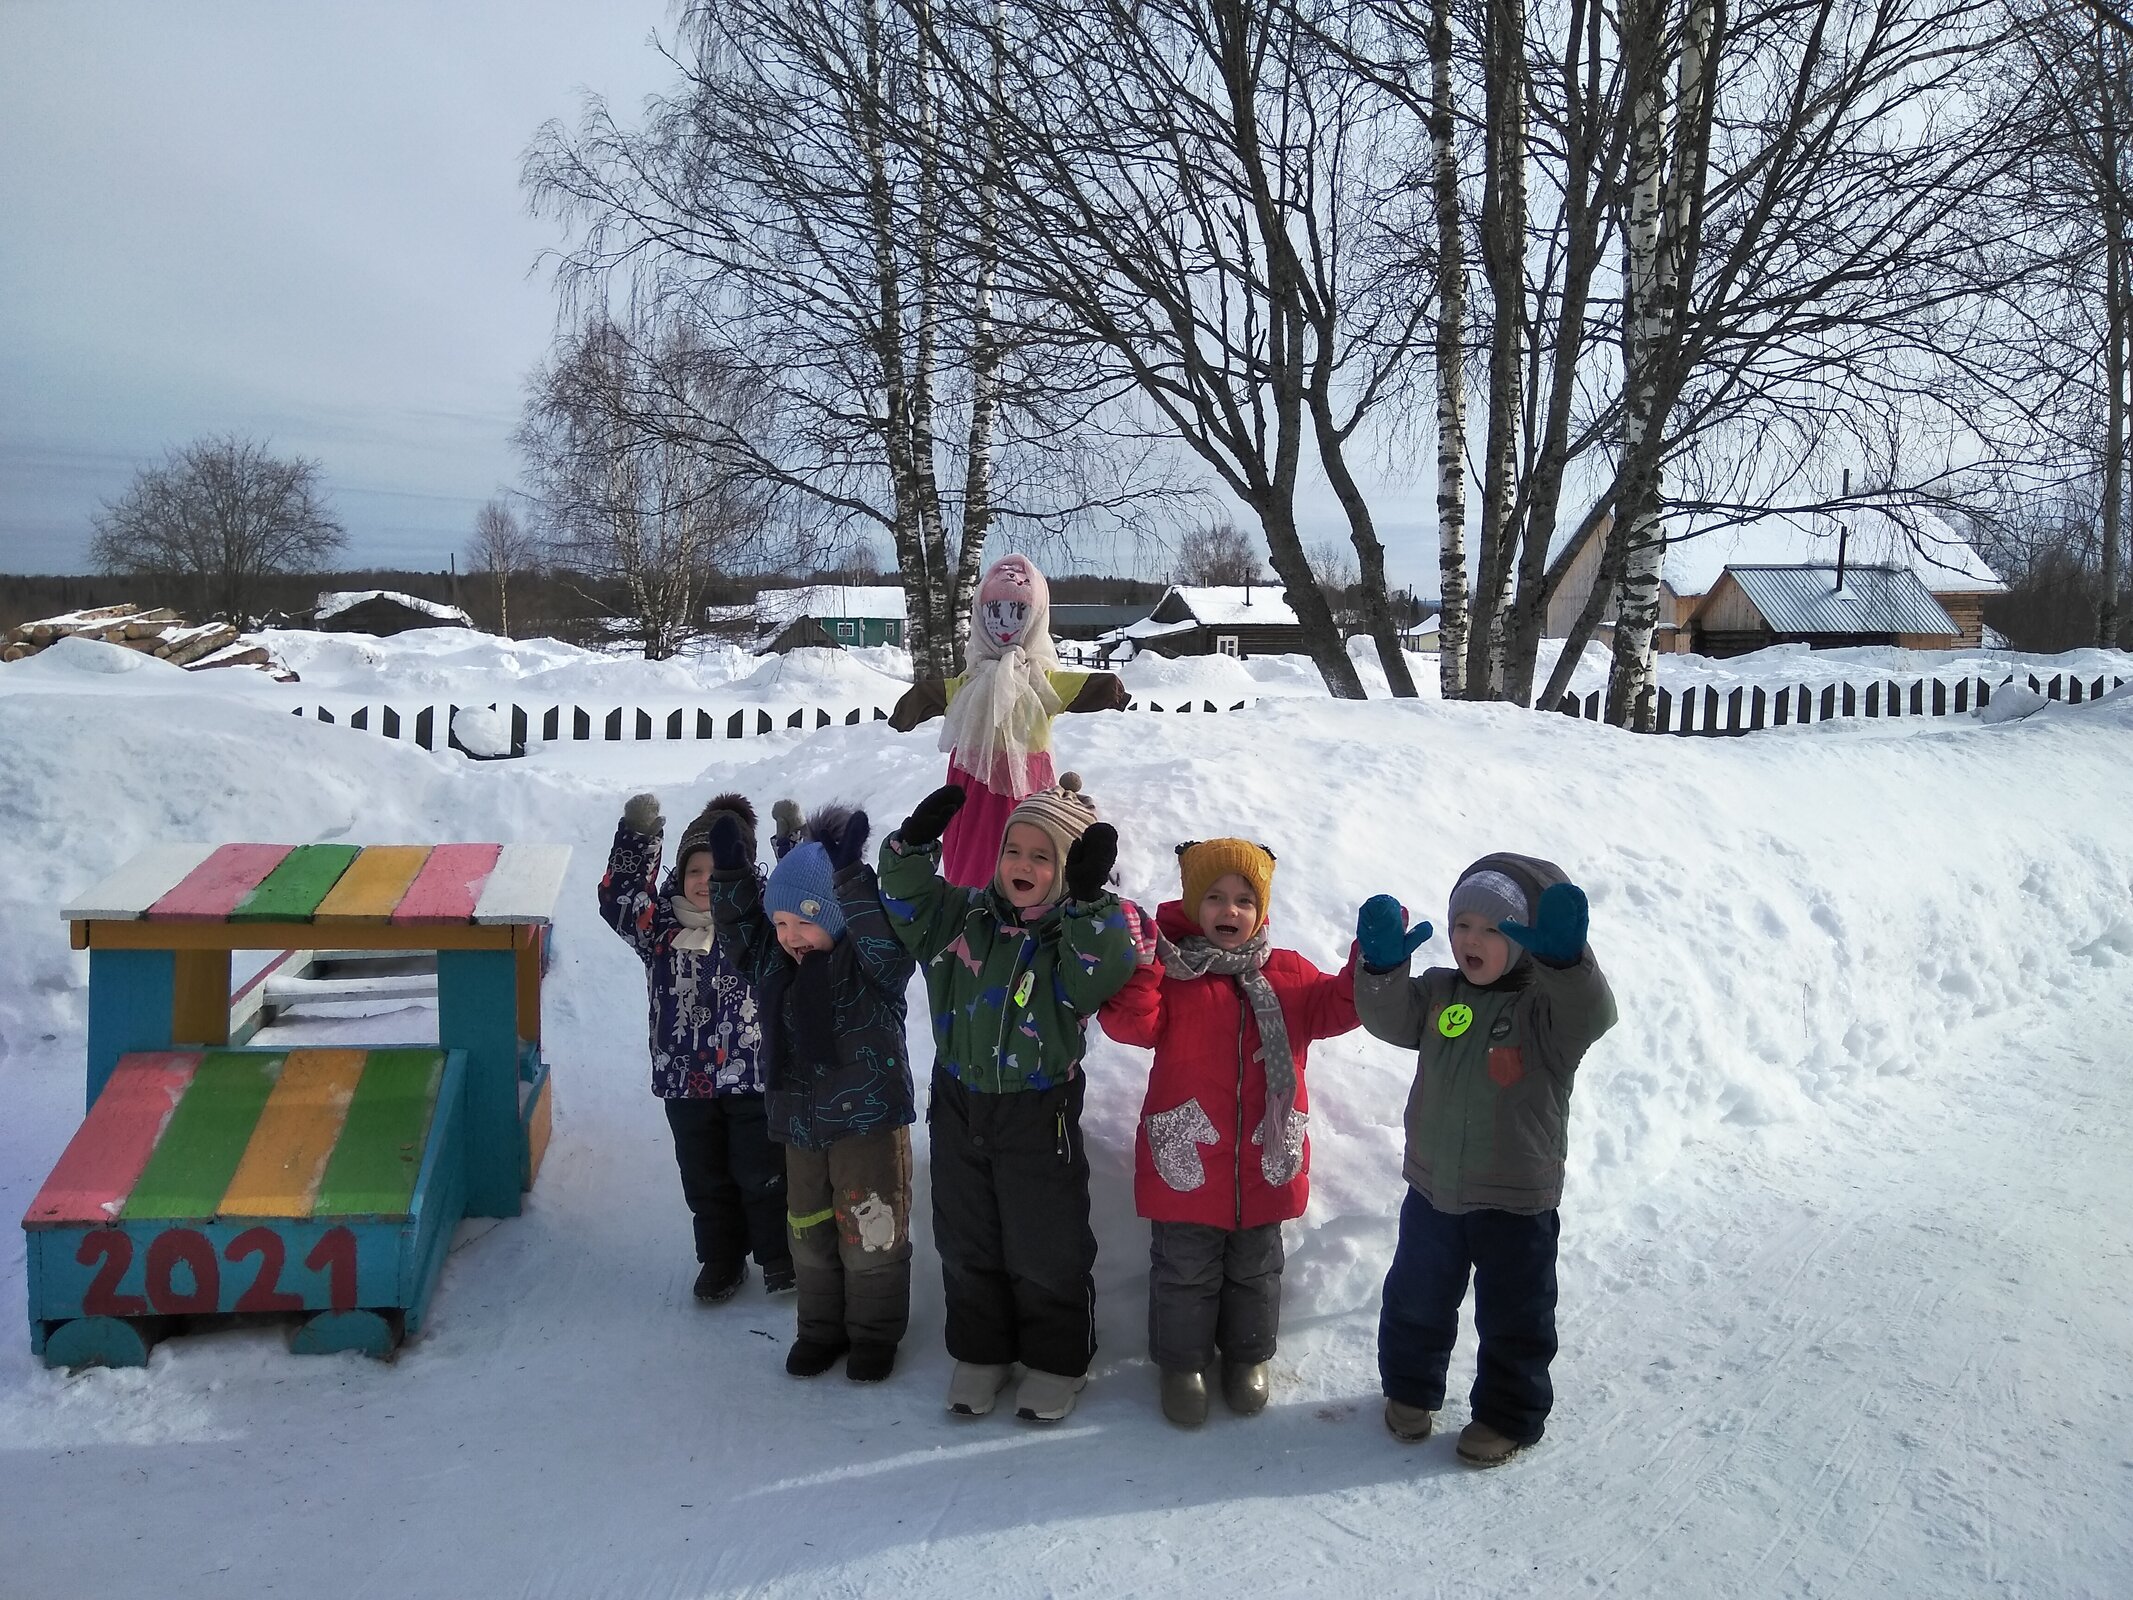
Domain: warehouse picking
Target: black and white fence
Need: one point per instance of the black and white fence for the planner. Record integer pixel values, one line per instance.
(430, 725)
(1701, 711)
(1746, 709)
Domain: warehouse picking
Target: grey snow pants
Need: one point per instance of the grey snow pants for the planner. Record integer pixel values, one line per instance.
(1212, 1289)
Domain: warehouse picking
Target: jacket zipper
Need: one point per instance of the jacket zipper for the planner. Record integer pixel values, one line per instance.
(1237, 1145)
(1007, 1010)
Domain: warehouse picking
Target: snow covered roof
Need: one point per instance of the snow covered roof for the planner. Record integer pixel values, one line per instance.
(776, 608)
(334, 602)
(1918, 542)
(1873, 600)
(1253, 605)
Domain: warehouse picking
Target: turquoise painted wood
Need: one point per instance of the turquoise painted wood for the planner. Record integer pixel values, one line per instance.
(333, 1332)
(477, 1012)
(97, 1342)
(131, 998)
(97, 1292)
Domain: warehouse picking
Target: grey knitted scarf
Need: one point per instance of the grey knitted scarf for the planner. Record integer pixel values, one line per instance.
(1280, 1135)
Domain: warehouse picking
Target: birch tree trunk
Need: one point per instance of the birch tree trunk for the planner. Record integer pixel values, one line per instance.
(1451, 362)
(985, 358)
(1504, 257)
(2118, 300)
(1666, 164)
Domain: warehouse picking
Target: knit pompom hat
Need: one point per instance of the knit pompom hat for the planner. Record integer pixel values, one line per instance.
(1063, 814)
(1203, 862)
(801, 884)
(697, 835)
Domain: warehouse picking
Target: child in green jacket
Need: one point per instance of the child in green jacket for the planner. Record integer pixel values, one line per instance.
(1013, 972)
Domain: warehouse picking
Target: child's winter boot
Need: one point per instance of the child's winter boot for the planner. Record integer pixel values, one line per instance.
(1408, 1424)
(1184, 1397)
(1482, 1446)
(716, 1283)
(870, 1363)
(810, 1358)
(1244, 1386)
(975, 1386)
(1047, 1396)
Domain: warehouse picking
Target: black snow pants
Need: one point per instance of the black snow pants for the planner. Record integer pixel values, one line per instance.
(733, 1178)
(1011, 1221)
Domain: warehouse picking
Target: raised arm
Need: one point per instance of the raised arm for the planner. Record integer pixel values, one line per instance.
(629, 901)
(1388, 1001)
(745, 933)
(1328, 1000)
(924, 909)
(1575, 1004)
(1096, 943)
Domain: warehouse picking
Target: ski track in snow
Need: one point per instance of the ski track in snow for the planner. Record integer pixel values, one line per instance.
(1844, 1254)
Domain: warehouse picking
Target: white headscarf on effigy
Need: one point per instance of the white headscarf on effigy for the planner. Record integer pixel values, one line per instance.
(1002, 713)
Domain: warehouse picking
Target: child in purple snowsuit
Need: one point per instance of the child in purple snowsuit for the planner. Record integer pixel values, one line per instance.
(707, 1044)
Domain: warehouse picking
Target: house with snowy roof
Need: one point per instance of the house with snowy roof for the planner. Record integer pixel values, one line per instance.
(1698, 612)
(382, 613)
(834, 615)
(1233, 620)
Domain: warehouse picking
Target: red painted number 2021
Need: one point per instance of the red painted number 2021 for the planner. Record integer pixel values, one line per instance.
(184, 1275)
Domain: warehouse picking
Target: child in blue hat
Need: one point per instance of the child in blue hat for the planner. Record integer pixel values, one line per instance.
(837, 1080)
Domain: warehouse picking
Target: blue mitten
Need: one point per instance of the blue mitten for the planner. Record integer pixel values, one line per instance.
(845, 848)
(1558, 933)
(728, 854)
(1382, 934)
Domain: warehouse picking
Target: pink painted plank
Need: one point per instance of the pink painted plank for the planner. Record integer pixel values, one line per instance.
(213, 889)
(100, 1165)
(449, 884)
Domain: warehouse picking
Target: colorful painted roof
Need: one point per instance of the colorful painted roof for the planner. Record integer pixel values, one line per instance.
(196, 1135)
(380, 883)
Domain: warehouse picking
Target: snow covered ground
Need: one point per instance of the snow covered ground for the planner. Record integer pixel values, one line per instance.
(1846, 1240)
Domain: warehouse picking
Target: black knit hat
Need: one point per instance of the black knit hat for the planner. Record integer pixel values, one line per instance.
(697, 835)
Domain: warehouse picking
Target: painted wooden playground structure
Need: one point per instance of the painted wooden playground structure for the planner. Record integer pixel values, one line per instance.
(212, 1178)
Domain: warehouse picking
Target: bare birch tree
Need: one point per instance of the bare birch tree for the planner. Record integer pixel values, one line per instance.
(634, 442)
(503, 549)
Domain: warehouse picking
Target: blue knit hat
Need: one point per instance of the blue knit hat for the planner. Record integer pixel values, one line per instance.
(801, 884)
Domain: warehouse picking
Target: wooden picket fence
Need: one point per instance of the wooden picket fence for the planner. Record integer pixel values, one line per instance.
(430, 725)
(1747, 709)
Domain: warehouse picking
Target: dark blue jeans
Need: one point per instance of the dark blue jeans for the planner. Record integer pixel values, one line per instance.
(1512, 1259)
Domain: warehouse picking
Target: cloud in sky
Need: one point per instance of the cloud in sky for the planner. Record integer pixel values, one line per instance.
(304, 223)
(298, 222)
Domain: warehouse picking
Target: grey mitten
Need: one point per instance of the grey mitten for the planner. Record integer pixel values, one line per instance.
(786, 814)
(642, 815)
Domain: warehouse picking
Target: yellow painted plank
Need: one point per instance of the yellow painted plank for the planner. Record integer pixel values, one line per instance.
(373, 884)
(279, 1173)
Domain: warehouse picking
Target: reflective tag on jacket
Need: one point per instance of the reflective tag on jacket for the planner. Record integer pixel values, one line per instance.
(1022, 989)
(1452, 1021)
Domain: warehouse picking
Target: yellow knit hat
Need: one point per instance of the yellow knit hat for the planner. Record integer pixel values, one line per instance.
(1202, 861)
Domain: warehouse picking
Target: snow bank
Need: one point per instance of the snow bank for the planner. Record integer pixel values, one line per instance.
(1868, 984)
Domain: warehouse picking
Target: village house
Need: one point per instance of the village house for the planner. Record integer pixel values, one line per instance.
(1241, 621)
(818, 616)
(1783, 562)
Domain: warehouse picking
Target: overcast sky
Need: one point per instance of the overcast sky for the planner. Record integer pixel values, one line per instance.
(302, 223)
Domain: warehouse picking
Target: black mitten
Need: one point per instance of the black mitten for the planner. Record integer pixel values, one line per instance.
(1089, 863)
(931, 818)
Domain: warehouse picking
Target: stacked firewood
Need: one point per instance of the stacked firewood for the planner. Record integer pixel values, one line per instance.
(156, 631)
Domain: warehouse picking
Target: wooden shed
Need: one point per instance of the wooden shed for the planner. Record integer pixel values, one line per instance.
(383, 612)
(1752, 607)
(1242, 621)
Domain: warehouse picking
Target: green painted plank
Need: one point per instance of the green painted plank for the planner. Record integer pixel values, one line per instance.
(292, 891)
(372, 1171)
(198, 1154)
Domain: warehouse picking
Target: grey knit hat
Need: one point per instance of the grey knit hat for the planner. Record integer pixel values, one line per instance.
(1491, 892)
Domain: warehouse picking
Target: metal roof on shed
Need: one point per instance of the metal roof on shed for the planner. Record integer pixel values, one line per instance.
(1806, 599)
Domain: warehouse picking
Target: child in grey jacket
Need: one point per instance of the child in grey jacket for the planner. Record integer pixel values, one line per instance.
(1498, 1035)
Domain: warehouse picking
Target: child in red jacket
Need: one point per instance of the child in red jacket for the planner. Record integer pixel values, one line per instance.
(1221, 1161)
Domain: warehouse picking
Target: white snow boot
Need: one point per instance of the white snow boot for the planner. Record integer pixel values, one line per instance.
(1046, 1396)
(974, 1386)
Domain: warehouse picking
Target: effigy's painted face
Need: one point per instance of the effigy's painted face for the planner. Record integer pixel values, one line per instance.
(1005, 621)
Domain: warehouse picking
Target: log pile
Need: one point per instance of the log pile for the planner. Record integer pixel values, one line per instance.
(157, 631)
